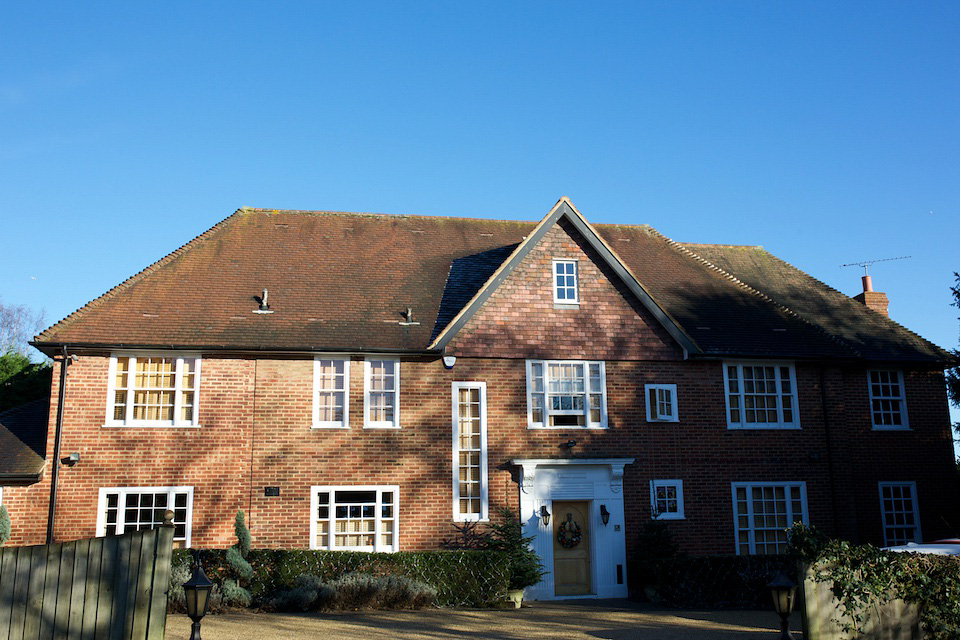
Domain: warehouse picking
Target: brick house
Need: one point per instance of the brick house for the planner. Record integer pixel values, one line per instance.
(357, 381)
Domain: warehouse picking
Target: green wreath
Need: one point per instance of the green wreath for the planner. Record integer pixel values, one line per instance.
(568, 534)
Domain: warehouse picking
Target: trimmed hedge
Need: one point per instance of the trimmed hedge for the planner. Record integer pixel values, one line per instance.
(461, 578)
(738, 582)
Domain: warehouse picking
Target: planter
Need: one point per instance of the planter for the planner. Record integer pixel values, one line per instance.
(516, 597)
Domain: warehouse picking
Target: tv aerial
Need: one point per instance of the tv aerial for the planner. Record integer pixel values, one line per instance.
(866, 263)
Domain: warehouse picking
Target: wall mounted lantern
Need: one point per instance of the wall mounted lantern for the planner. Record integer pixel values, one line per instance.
(604, 514)
(544, 514)
(783, 590)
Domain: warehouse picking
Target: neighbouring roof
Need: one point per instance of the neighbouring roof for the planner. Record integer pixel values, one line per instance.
(343, 281)
(23, 436)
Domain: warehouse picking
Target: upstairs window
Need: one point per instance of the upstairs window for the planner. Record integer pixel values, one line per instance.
(761, 396)
(566, 288)
(381, 394)
(331, 384)
(661, 402)
(153, 391)
(888, 405)
(565, 393)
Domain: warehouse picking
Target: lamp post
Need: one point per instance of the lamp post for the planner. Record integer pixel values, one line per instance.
(197, 592)
(783, 590)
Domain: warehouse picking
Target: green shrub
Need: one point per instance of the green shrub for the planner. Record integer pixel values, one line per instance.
(309, 593)
(655, 545)
(234, 594)
(507, 536)
(4, 525)
(460, 578)
(863, 577)
(365, 591)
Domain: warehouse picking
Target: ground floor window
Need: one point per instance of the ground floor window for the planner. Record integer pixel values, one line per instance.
(122, 510)
(763, 511)
(354, 518)
(901, 519)
(666, 499)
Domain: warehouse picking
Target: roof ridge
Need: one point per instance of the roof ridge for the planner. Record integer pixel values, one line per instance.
(374, 214)
(681, 248)
(111, 293)
(848, 299)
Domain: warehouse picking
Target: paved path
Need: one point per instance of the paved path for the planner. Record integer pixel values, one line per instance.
(580, 620)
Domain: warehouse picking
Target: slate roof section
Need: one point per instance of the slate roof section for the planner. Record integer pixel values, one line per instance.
(342, 282)
(23, 436)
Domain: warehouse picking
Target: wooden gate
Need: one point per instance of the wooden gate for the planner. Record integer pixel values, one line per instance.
(101, 588)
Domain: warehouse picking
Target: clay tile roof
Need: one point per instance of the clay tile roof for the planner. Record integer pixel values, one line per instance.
(343, 281)
(23, 434)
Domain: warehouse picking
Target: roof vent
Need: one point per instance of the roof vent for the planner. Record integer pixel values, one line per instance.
(262, 301)
(408, 318)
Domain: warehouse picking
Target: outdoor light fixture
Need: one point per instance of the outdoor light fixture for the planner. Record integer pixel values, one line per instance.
(544, 514)
(197, 592)
(569, 444)
(604, 514)
(71, 459)
(783, 590)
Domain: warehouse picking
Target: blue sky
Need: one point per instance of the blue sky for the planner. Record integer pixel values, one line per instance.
(826, 132)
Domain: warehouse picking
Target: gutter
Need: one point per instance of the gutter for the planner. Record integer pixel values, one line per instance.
(50, 348)
(20, 479)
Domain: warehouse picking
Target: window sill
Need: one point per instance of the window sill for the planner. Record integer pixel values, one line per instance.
(674, 421)
(771, 427)
(673, 516)
(593, 427)
(379, 426)
(147, 425)
(885, 428)
(329, 426)
(566, 305)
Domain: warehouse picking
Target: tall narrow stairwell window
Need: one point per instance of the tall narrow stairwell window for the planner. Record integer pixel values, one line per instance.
(470, 451)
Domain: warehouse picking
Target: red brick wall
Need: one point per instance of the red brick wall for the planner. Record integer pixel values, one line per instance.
(520, 319)
(256, 417)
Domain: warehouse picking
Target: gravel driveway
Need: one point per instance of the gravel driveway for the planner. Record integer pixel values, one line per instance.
(572, 620)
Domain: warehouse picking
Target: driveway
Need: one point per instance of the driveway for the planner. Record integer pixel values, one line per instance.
(573, 620)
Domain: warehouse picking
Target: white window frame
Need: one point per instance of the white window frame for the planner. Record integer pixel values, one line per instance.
(128, 420)
(546, 395)
(902, 399)
(653, 414)
(918, 536)
(381, 424)
(576, 282)
(331, 424)
(777, 366)
(484, 514)
(752, 529)
(667, 515)
(123, 491)
(315, 492)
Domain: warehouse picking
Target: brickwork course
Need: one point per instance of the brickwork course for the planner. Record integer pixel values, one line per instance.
(653, 310)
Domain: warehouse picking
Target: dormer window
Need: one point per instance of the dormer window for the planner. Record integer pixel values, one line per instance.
(566, 288)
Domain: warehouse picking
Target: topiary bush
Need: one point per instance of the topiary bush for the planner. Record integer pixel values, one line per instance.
(4, 525)
(235, 595)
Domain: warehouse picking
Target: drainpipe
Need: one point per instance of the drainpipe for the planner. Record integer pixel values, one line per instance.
(64, 363)
(827, 440)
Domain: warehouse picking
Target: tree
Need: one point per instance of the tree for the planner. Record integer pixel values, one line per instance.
(953, 375)
(22, 381)
(18, 324)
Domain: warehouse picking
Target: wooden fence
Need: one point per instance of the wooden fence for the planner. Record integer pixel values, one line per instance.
(102, 588)
(896, 620)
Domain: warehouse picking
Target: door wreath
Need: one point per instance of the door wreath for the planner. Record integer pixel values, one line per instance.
(568, 533)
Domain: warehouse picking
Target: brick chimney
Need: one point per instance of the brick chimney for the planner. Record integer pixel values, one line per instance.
(873, 299)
